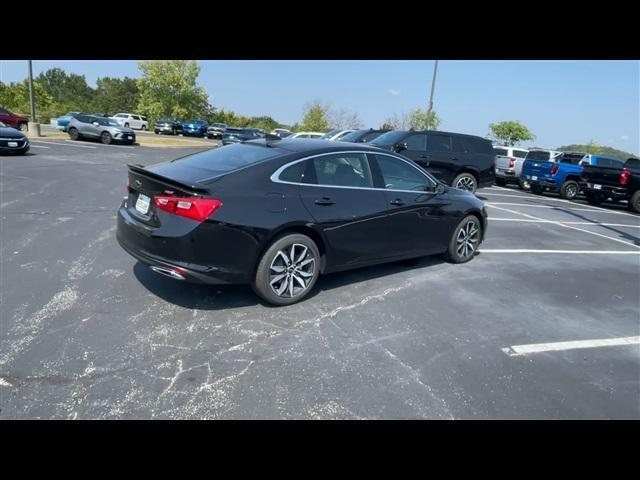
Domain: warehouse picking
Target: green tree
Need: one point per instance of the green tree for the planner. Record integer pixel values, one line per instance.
(423, 120)
(115, 95)
(15, 97)
(69, 91)
(169, 88)
(511, 132)
(315, 117)
(595, 149)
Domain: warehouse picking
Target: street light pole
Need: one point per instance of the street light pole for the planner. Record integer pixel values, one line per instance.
(433, 87)
(31, 98)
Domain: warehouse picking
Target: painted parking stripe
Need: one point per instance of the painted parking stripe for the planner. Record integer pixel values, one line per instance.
(561, 200)
(519, 350)
(553, 207)
(39, 146)
(564, 252)
(560, 224)
(67, 144)
(596, 224)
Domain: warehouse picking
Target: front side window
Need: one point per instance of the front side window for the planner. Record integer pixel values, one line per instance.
(343, 170)
(399, 175)
(417, 142)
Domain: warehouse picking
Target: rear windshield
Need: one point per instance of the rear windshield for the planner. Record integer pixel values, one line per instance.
(632, 163)
(229, 158)
(501, 151)
(538, 155)
(573, 158)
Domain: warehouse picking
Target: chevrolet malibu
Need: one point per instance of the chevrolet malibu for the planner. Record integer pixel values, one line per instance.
(276, 214)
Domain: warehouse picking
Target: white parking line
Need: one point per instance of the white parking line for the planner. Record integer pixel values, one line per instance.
(67, 144)
(566, 226)
(39, 146)
(561, 200)
(522, 220)
(552, 207)
(518, 350)
(564, 252)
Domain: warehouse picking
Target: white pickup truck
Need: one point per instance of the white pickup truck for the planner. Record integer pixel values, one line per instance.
(508, 164)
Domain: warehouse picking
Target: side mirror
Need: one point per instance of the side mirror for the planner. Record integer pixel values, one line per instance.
(440, 189)
(96, 124)
(401, 146)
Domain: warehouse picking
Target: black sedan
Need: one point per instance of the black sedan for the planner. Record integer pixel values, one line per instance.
(278, 213)
(12, 141)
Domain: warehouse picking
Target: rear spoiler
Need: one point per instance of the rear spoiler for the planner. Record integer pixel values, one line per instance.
(139, 169)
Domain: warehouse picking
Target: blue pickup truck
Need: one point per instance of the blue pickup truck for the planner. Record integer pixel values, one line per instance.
(562, 173)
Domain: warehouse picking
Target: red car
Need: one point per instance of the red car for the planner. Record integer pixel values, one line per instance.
(13, 120)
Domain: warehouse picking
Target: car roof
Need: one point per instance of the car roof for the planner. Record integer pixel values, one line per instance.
(313, 146)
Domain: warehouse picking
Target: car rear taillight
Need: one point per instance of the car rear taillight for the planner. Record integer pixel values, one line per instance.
(128, 187)
(512, 162)
(624, 176)
(554, 168)
(190, 207)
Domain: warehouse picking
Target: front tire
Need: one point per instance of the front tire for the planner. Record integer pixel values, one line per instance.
(501, 182)
(536, 189)
(106, 138)
(74, 134)
(144, 128)
(569, 189)
(287, 270)
(634, 203)
(465, 181)
(465, 240)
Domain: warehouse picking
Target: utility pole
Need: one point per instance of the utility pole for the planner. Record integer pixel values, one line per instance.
(33, 127)
(433, 87)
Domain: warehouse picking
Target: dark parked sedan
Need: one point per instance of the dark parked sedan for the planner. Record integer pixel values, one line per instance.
(12, 141)
(278, 213)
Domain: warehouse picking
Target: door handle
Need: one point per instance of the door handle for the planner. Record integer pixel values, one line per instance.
(397, 202)
(324, 201)
(425, 156)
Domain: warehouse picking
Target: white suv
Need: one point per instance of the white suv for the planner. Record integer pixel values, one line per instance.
(130, 120)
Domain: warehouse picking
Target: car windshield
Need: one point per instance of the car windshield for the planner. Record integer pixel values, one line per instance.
(107, 122)
(2, 124)
(389, 138)
(218, 125)
(329, 134)
(230, 157)
(71, 114)
(353, 136)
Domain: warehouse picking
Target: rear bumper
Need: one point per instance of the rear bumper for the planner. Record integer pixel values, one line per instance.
(542, 182)
(617, 193)
(179, 251)
(506, 174)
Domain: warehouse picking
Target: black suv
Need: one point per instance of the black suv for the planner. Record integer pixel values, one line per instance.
(172, 126)
(462, 161)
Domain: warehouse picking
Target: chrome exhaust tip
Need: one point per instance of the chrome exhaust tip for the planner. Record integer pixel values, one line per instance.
(169, 272)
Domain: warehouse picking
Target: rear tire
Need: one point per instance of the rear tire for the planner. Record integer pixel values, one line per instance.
(106, 138)
(465, 181)
(278, 279)
(74, 134)
(536, 189)
(634, 203)
(465, 240)
(501, 182)
(569, 189)
(594, 198)
(144, 128)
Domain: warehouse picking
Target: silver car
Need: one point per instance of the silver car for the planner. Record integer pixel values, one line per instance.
(107, 130)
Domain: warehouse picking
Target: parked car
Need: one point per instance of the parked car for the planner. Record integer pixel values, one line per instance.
(12, 141)
(563, 173)
(616, 182)
(62, 122)
(281, 132)
(335, 134)
(313, 135)
(509, 162)
(535, 163)
(216, 130)
(137, 122)
(107, 130)
(462, 161)
(237, 135)
(194, 128)
(277, 215)
(12, 120)
(363, 136)
(168, 125)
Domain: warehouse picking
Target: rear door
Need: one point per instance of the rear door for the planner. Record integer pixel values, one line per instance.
(339, 193)
(443, 164)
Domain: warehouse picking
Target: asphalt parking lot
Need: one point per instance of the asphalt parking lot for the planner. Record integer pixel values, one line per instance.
(88, 333)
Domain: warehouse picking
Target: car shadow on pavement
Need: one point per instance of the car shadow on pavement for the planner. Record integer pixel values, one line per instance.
(220, 297)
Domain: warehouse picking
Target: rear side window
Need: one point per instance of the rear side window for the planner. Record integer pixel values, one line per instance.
(83, 118)
(292, 173)
(342, 169)
(439, 143)
(501, 151)
(477, 145)
(416, 142)
(229, 158)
